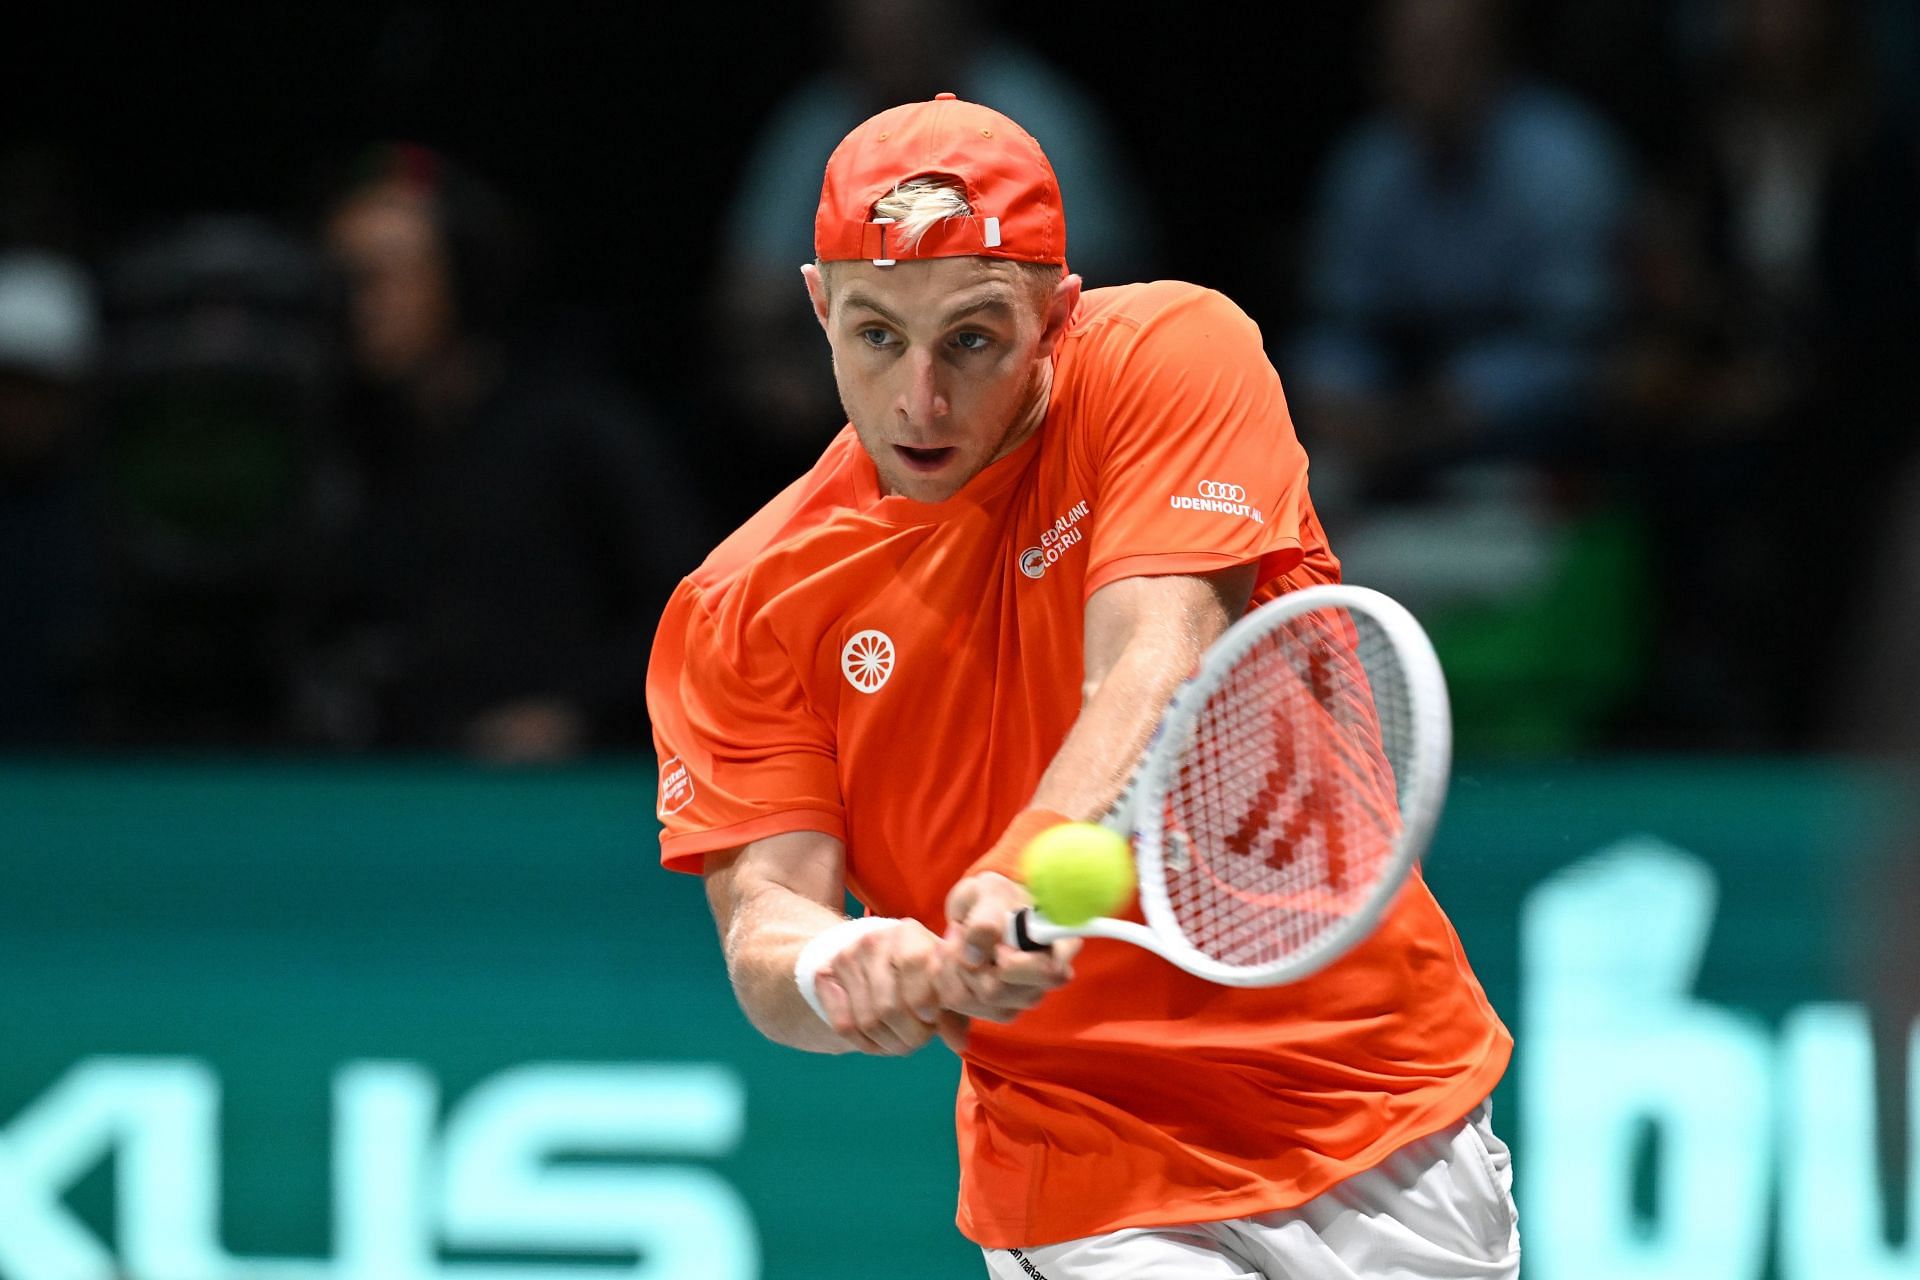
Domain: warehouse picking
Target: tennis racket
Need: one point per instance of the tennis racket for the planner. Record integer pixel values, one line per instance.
(1289, 789)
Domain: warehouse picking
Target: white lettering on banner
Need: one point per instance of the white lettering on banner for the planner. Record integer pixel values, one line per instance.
(1827, 1173)
(159, 1119)
(1614, 1044)
(495, 1181)
(1220, 497)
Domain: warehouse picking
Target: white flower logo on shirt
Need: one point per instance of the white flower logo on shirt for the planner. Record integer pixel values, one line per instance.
(867, 660)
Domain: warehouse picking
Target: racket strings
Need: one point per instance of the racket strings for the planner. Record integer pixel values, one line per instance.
(1285, 811)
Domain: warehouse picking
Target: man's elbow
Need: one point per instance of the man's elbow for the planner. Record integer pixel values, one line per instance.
(768, 997)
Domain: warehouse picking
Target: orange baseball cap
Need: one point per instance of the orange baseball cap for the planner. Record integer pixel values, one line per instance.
(1009, 184)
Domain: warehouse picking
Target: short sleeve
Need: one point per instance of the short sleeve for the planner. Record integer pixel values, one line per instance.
(742, 754)
(1196, 463)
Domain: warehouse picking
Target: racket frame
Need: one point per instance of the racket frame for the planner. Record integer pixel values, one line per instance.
(1141, 810)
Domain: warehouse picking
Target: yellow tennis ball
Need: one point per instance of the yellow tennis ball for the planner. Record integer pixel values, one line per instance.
(1076, 871)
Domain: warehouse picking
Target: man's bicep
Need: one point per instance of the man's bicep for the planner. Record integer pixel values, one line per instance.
(1182, 613)
(807, 864)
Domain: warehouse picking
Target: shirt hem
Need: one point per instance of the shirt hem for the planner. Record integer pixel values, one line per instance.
(685, 852)
(1185, 1208)
(1277, 559)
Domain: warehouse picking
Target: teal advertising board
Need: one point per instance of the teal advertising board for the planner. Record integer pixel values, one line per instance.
(399, 1021)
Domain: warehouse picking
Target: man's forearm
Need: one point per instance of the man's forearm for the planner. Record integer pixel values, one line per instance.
(764, 937)
(777, 903)
(1092, 767)
(1144, 637)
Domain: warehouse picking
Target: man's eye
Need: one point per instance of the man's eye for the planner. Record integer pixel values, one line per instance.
(971, 341)
(876, 337)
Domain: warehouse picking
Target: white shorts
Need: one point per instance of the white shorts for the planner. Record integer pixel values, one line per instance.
(1437, 1209)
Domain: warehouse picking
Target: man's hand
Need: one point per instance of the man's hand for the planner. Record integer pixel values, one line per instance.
(879, 992)
(983, 977)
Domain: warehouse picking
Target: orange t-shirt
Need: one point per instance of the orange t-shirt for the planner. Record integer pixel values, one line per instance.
(898, 674)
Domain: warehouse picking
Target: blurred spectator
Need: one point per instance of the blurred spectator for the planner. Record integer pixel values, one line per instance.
(1462, 272)
(1461, 286)
(515, 524)
(209, 466)
(50, 564)
(1779, 283)
(771, 371)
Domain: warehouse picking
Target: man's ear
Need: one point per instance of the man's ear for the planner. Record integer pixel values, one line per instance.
(1066, 296)
(816, 290)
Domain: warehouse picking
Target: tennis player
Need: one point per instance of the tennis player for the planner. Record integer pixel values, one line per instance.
(958, 629)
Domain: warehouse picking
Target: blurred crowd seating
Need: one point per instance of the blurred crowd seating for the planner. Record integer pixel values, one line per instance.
(1598, 339)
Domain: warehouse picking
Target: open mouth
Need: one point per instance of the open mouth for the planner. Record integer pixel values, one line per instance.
(924, 460)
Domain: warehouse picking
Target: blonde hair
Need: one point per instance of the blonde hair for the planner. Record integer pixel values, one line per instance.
(919, 204)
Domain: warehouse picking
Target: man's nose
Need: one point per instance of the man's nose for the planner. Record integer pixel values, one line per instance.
(922, 400)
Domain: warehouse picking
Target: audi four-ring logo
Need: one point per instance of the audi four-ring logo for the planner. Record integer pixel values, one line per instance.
(1224, 492)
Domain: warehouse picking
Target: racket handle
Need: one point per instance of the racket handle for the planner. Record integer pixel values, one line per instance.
(1018, 935)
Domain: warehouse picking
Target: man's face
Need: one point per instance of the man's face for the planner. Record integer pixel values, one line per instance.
(401, 296)
(943, 364)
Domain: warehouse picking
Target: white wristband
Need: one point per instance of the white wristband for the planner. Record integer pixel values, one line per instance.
(824, 946)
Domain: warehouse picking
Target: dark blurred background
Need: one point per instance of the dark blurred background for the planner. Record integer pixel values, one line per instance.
(369, 374)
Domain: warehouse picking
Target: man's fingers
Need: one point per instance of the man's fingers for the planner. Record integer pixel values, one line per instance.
(981, 993)
(888, 1004)
(1046, 969)
(911, 972)
(983, 932)
(914, 981)
(952, 988)
(895, 990)
(833, 999)
(1010, 968)
(862, 1021)
(839, 1007)
(980, 905)
(961, 899)
(900, 1040)
(895, 1009)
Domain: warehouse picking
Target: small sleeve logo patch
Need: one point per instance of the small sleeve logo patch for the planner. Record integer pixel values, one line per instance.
(676, 787)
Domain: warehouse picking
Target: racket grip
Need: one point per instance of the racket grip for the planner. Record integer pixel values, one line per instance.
(1018, 935)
